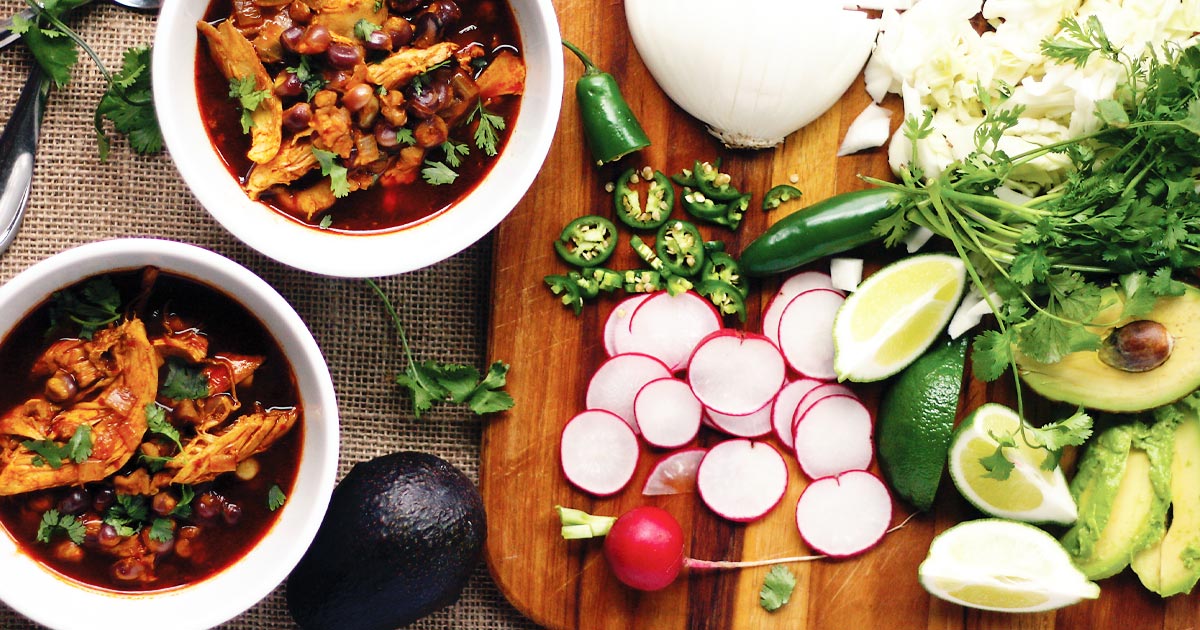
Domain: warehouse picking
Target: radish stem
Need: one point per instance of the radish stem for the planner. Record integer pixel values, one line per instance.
(708, 565)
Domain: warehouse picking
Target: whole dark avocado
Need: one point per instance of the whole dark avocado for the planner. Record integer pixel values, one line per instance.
(402, 535)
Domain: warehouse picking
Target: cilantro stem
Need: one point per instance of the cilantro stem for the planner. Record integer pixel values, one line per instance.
(387, 305)
(66, 30)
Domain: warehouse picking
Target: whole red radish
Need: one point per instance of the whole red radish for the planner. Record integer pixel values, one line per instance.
(644, 548)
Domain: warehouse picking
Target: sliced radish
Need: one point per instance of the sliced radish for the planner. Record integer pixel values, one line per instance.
(742, 480)
(751, 425)
(736, 373)
(675, 473)
(616, 383)
(599, 452)
(833, 436)
(668, 327)
(783, 409)
(617, 324)
(793, 286)
(806, 332)
(844, 515)
(815, 394)
(667, 412)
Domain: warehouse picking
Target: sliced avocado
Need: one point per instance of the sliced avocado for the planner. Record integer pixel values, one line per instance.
(1172, 565)
(1082, 378)
(1123, 496)
(402, 535)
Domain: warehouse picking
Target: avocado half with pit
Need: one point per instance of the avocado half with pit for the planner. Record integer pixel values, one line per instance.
(1085, 378)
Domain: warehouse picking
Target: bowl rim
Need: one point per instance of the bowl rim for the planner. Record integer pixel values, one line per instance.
(48, 598)
(368, 254)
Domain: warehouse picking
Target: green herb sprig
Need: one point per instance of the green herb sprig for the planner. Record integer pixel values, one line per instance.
(1122, 226)
(428, 381)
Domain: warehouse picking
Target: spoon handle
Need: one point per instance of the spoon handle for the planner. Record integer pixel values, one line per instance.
(18, 143)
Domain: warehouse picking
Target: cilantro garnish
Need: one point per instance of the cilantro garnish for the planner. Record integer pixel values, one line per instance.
(183, 508)
(326, 221)
(438, 173)
(455, 151)
(244, 90)
(50, 453)
(53, 522)
(91, 306)
(334, 170)
(405, 136)
(487, 133)
(363, 28)
(310, 79)
(275, 498)
(129, 104)
(184, 381)
(162, 529)
(1123, 225)
(429, 381)
(156, 422)
(128, 514)
(777, 588)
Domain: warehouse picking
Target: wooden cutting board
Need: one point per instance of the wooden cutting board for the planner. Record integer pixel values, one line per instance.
(562, 584)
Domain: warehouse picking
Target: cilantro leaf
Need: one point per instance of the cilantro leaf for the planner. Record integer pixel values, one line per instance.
(428, 382)
(1071, 431)
(183, 507)
(363, 29)
(244, 90)
(777, 588)
(405, 136)
(996, 464)
(438, 173)
(184, 381)
(162, 530)
(333, 169)
(310, 79)
(53, 522)
(454, 152)
(50, 453)
(55, 53)
(128, 514)
(79, 447)
(487, 133)
(129, 104)
(991, 354)
(156, 422)
(91, 306)
(275, 497)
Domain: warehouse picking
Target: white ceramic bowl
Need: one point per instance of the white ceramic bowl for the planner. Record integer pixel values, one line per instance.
(368, 254)
(51, 600)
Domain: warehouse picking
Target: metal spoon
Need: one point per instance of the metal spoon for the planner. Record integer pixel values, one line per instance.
(18, 142)
(7, 36)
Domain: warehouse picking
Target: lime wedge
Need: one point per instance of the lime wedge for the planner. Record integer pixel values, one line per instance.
(1003, 566)
(1029, 492)
(894, 316)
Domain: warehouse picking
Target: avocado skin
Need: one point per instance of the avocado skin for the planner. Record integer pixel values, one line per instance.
(402, 535)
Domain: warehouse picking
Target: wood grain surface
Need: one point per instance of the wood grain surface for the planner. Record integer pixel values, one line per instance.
(562, 584)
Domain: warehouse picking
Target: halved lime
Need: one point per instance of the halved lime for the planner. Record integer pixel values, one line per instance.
(1005, 566)
(1029, 492)
(894, 315)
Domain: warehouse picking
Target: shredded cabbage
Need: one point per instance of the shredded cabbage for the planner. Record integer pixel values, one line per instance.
(933, 57)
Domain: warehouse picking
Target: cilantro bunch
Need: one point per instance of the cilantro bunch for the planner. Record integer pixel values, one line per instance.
(1125, 225)
(1127, 218)
(127, 102)
(428, 381)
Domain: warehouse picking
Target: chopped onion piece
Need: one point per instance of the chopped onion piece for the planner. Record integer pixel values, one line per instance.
(847, 273)
(869, 130)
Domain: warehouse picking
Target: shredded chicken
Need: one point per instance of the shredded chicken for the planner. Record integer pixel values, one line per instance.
(115, 414)
(340, 16)
(400, 67)
(208, 455)
(293, 161)
(237, 59)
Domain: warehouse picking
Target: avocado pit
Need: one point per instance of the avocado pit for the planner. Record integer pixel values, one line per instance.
(1139, 346)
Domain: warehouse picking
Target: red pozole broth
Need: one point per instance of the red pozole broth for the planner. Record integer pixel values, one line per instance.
(486, 28)
(118, 547)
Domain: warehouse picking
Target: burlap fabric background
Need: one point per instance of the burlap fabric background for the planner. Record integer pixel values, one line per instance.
(77, 199)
